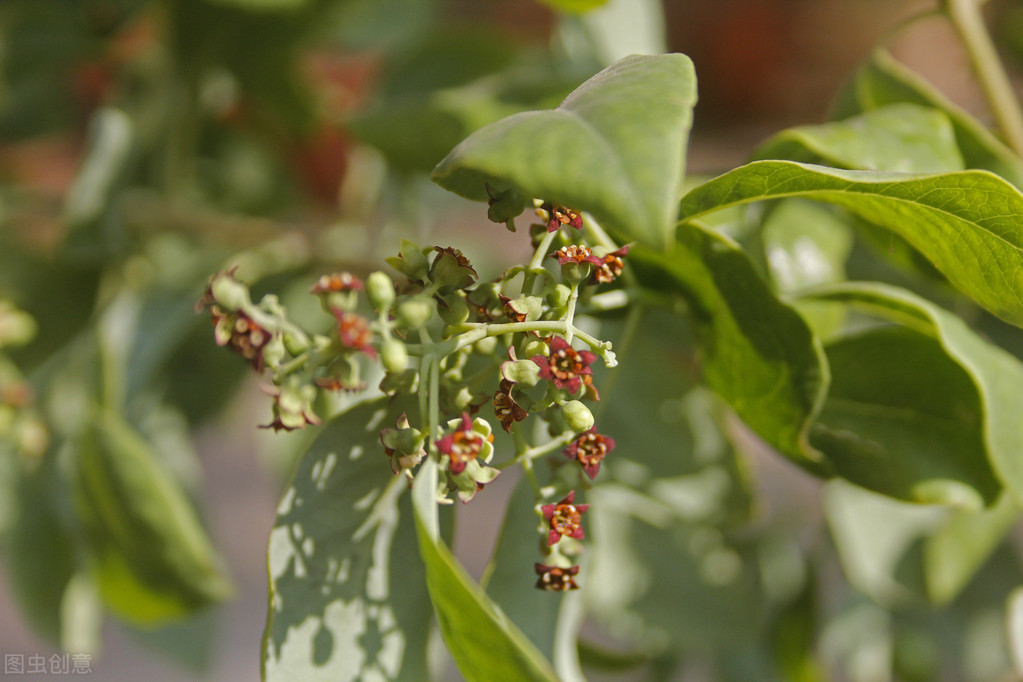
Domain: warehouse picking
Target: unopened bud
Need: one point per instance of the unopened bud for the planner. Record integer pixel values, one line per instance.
(380, 291)
(394, 355)
(577, 416)
(228, 292)
(415, 312)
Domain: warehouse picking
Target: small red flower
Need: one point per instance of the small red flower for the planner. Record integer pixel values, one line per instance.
(556, 579)
(610, 266)
(559, 215)
(565, 518)
(340, 281)
(507, 410)
(463, 445)
(354, 332)
(576, 253)
(589, 448)
(565, 366)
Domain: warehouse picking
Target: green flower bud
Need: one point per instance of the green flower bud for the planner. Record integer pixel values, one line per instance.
(521, 372)
(273, 352)
(533, 347)
(577, 416)
(394, 355)
(415, 312)
(380, 291)
(228, 292)
(486, 345)
(455, 312)
(558, 297)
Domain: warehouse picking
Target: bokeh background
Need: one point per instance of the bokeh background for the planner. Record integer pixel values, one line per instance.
(145, 144)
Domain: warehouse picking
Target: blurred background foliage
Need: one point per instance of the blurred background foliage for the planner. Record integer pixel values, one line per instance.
(145, 144)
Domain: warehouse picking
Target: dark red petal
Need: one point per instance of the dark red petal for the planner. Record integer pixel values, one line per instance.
(553, 536)
(581, 507)
(577, 534)
(548, 511)
(458, 466)
(592, 469)
(557, 343)
(568, 498)
(445, 444)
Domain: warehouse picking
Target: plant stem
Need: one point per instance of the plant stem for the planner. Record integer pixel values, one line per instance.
(968, 21)
(536, 263)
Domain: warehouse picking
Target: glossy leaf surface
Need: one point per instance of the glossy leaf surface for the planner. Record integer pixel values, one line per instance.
(967, 223)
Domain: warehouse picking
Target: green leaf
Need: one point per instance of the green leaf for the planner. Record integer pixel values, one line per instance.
(899, 553)
(806, 244)
(966, 223)
(40, 557)
(903, 419)
(755, 352)
(898, 137)
(347, 593)
(510, 578)
(996, 376)
(151, 557)
(883, 80)
(615, 147)
(481, 638)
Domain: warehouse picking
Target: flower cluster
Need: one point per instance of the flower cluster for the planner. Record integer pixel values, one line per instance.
(455, 343)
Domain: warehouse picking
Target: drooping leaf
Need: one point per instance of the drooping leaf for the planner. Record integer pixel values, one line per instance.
(898, 137)
(151, 558)
(966, 223)
(615, 147)
(883, 81)
(903, 419)
(995, 375)
(754, 351)
(481, 638)
(347, 593)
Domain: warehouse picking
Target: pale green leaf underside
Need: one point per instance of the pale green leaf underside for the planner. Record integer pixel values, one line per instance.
(615, 148)
(969, 224)
(347, 593)
(899, 137)
(996, 375)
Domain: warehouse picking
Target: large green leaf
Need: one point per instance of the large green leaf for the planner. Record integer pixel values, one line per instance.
(883, 80)
(481, 638)
(347, 594)
(756, 352)
(899, 137)
(903, 419)
(995, 375)
(615, 147)
(152, 559)
(966, 223)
